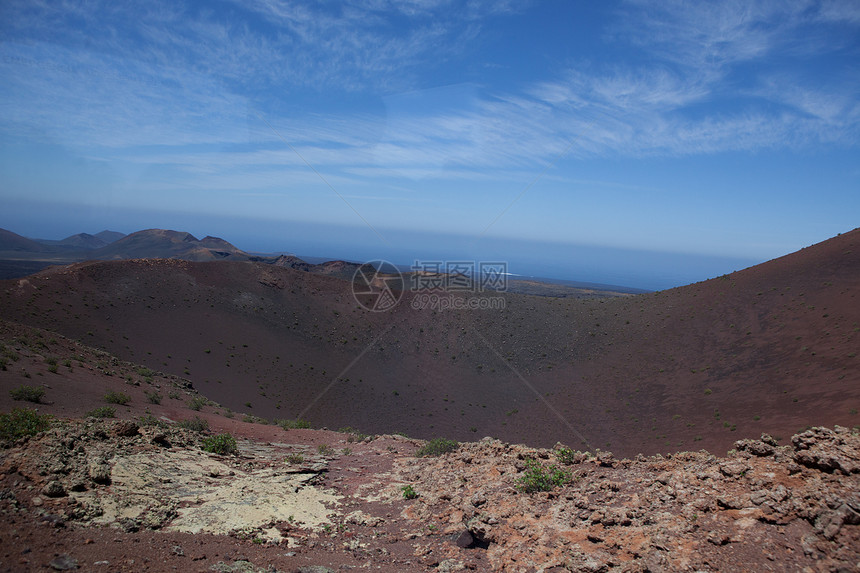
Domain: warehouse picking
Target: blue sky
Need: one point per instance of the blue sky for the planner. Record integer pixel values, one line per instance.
(703, 136)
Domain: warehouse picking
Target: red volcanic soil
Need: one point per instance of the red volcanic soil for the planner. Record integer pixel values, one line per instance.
(769, 349)
(140, 494)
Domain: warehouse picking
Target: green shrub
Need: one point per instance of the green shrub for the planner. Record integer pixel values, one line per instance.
(28, 393)
(22, 422)
(102, 412)
(568, 457)
(354, 435)
(153, 396)
(294, 424)
(325, 449)
(196, 424)
(150, 420)
(437, 447)
(117, 398)
(408, 492)
(542, 478)
(295, 458)
(196, 403)
(222, 444)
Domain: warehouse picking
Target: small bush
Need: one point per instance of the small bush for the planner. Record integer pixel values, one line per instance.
(295, 459)
(153, 396)
(437, 447)
(354, 435)
(196, 403)
(117, 398)
(222, 444)
(28, 393)
(569, 457)
(174, 395)
(195, 424)
(145, 372)
(22, 422)
(102, 412)
(542, 478)
(325, 449)
(152, 421)
(408, 492)
(294, 424)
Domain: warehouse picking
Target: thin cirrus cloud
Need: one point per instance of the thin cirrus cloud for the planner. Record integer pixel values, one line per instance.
(123, 80)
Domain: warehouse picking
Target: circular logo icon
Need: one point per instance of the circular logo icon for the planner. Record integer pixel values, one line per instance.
(377, 286)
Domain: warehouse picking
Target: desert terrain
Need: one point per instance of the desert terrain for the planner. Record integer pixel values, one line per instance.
(710, 427)
(772, 348)
(140, 490)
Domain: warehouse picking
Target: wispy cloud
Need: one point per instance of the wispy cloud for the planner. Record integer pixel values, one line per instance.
(173, 85)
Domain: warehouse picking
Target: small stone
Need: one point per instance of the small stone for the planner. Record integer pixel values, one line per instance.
(54, 489)
(733, 468)
(99, 472)
(37, 501)
(63, 563)
(53, 519)
(479, 499)
(718, 538)
(126, 428)
(464, 539)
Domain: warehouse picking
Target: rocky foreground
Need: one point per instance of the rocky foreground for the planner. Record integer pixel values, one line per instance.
(106, 495)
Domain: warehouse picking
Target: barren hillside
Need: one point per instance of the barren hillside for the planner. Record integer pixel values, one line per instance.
(769, 349)
(147, 491)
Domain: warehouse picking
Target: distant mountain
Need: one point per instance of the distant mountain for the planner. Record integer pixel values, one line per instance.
(166, 244)
(292, 262)
(84, 241)
(10, 241)
(340, 269)
(110, 236)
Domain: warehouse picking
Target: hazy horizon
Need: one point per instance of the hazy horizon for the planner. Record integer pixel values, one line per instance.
(632, 268)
